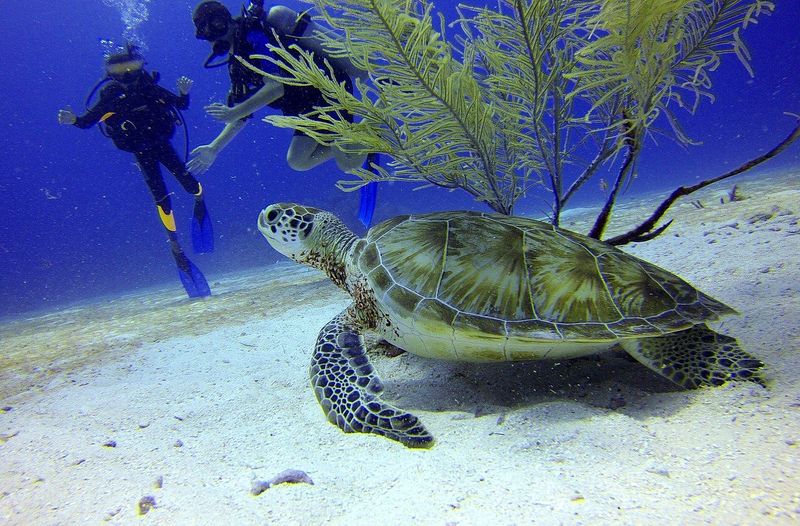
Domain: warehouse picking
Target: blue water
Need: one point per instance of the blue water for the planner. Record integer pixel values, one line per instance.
(77, 221)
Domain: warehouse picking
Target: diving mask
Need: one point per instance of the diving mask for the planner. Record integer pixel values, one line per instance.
(211, 21)
(125, 72)
(211, 29)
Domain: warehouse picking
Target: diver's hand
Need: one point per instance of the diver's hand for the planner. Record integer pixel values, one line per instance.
(184, 85)
(66, 116)
(222, 112)
(202, 158)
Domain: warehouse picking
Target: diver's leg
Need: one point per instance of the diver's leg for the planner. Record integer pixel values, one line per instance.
(170, 159)
(202, 228)
(348, 162)
(305, 153)
(151, 170)
(192, 279)
(148, 164)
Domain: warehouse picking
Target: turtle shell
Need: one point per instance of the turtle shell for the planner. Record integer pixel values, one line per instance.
(485, 278)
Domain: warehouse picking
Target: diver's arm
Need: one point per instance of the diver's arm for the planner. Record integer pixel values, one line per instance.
(204, 156)
(184, 85)
(269, 92)
(89, 119)
(228, 133)
(181, 100)
(266, 94)
(94, 114)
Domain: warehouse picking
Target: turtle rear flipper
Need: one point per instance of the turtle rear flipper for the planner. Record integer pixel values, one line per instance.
(696, 357)
(349, 390)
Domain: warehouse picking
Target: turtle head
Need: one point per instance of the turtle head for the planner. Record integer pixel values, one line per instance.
(288, 228)
(307, 235)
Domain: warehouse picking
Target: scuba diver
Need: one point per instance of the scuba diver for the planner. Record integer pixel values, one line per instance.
(140, 117)
(252, 33)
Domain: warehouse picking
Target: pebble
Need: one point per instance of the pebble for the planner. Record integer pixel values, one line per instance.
(290, 476)
(5, 437)
(159, 482)
(760, 217)
(178, 443)
(110, 443)
(146, 503)
(659, 471)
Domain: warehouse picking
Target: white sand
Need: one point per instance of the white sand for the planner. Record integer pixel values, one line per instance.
(591, 441)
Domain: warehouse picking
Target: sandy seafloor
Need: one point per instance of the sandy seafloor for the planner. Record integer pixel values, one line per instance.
(204, 397)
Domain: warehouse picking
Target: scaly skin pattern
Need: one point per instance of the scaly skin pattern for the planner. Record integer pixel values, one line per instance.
(697, 357)
(349, 391)
(484, 287)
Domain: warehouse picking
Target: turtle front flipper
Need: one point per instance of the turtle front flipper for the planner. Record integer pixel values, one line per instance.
(696, 357)
(349, 390)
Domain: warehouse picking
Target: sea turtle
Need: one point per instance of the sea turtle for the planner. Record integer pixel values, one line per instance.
(485, 287)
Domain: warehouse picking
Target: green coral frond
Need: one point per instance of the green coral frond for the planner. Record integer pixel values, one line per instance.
(530, 92)
(526, 51)
(424, 107)
(645, 53)
(713, 30)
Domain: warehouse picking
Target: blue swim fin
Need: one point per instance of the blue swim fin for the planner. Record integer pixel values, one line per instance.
(202, 229)
(369, 193)
(192, 279)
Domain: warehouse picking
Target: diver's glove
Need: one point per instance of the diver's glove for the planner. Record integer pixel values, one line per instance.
(202, 158)
(66, 116)
(184, 85)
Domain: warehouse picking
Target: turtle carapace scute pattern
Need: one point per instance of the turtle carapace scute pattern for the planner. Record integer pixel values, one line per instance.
(483, 287)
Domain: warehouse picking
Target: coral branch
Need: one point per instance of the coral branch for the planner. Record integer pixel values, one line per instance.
(643, 232)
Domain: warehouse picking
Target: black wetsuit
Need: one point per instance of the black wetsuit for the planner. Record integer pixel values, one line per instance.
(140, 119)
(253, 37)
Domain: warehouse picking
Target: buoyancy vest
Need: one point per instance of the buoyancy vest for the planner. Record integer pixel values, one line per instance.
(139, 116)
